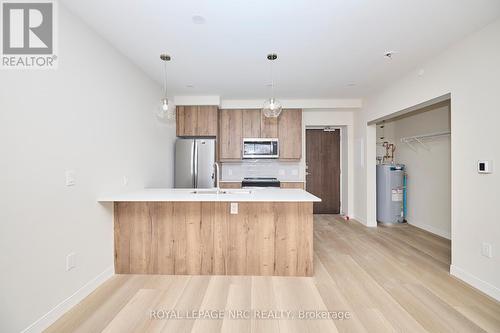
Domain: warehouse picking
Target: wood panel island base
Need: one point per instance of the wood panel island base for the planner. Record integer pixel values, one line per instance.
(197, 232)
(193, 238)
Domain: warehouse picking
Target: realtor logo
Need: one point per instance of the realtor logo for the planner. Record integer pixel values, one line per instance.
(28, 32)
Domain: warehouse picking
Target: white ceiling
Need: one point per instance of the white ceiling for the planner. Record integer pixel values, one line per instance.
(324, 46)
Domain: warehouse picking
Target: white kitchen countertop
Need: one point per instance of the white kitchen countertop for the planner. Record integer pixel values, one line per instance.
(233, 195)
(282, 181)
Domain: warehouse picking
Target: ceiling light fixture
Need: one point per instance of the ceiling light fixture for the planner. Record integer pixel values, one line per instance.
(165, 110)
(198, 19)
(272, 107)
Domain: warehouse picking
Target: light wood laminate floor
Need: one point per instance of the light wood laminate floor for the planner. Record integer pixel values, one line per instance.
(390, 279)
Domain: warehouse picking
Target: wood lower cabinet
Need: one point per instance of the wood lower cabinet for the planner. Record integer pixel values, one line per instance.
(230, 185)
(292, 185)
(193, 238)
(196, 120)
(290, 134)
(230, 134)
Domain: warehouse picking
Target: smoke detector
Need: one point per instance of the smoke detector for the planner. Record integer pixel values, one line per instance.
(389, 54)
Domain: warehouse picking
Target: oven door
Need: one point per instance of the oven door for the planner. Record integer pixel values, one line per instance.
(260, 148)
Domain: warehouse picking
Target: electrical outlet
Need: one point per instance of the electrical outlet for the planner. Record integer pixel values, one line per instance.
(229, 172)
(486, 250)
(70, 177)
(125, 180)
(70, 261)
(295, 172)
(234, 208)
(281, 172)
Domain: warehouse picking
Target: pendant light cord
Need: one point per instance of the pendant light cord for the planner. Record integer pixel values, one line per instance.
(164, 79)
(272, 80)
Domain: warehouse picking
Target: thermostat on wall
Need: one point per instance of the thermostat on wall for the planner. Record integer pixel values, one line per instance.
(484, 166)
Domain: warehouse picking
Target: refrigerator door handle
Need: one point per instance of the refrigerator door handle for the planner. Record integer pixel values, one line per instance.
(195, 163)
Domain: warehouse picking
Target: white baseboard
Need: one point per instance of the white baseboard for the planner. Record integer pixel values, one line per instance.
(476, 282)
(50, 317)
(432, 230)
(359, 220)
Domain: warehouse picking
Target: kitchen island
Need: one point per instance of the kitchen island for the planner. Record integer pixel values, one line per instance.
(199, 232)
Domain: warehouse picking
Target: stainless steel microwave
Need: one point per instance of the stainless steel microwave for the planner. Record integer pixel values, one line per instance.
(260, 148)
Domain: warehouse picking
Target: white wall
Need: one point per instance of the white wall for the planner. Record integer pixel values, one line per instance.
(94, 115)
(428, 169)
(343, 118)
(470, 72)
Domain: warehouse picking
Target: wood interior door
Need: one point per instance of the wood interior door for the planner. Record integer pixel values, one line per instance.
(323, 169)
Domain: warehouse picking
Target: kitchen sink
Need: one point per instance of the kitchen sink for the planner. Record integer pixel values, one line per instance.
(206, 192)
(222, 192)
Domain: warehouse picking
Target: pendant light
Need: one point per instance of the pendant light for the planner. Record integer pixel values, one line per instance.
(165, 110)
(272, 107)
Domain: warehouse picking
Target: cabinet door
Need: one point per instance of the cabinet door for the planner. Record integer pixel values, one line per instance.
(186, 120)
(230, 134)
(251, 123)
(292, 185)
(206, 122)
(268, 127)
(290, 134)
(230, 185)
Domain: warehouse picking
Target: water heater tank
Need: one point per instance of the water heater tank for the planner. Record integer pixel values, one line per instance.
(391, 193)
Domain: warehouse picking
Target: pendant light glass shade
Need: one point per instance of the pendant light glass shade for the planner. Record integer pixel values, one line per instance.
(272, 107)
(165, 110)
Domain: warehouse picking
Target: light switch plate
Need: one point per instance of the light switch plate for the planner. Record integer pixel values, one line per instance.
(70, 261)
(234, 208)
(486, 250)
(70, 177)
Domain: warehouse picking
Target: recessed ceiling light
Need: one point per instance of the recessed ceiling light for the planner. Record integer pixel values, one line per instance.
(198, 19)
(351, 84)
(189, 86)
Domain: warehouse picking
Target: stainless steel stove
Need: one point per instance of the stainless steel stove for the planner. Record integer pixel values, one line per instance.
(260, 182)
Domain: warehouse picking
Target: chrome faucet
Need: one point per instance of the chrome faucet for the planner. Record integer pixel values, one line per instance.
(217, 175)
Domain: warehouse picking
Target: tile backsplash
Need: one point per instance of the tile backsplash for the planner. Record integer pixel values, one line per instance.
(282, 170)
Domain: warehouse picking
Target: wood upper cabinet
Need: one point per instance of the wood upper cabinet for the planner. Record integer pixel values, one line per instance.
(290, 134)
(234, 125)
(251, 123)
(196, 120)
(268, 127)
(230, 134)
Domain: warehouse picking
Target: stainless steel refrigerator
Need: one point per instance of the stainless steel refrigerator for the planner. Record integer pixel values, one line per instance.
(194, 163)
